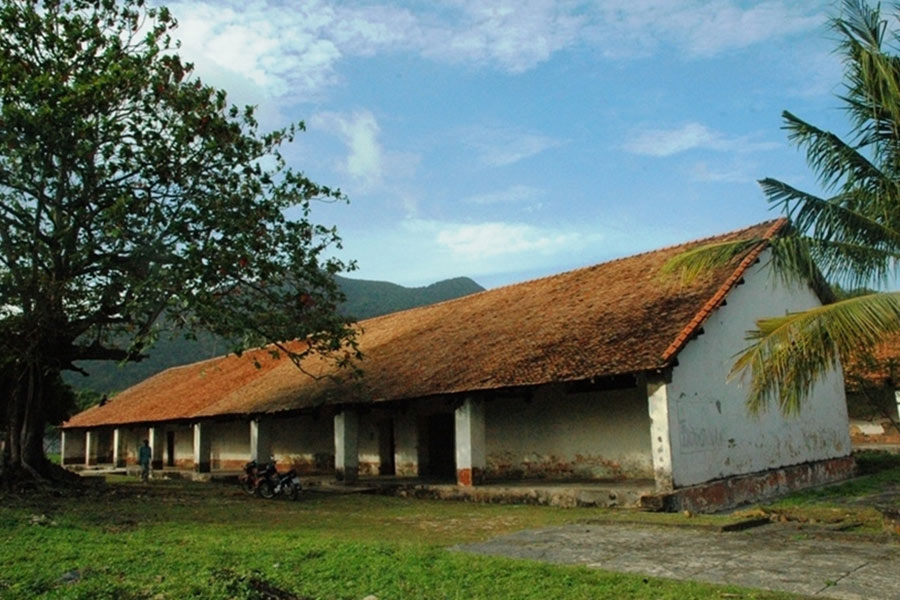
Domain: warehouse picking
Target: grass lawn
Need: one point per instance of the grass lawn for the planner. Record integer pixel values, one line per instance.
(856, 506)
(171, 539)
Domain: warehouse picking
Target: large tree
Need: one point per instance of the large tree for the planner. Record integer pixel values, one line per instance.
(852, 232)
(129, 191)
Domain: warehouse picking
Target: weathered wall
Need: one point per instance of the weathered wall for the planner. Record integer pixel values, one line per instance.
(874, 415)
(407, 445)
(184, 446)
(130, 438)
(593, 435)
(101, 446)
(367, 443)
(710, 431)
(874, 431)
(230, 445)
(304, 443)
(72, 447)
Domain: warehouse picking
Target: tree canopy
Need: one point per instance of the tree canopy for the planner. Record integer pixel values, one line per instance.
(129, 189)
(850, 235)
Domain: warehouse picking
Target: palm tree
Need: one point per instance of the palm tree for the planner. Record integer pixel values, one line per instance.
(852, 234)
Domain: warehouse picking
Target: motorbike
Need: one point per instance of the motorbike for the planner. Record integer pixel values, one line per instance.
(271, 482)
(249, 479)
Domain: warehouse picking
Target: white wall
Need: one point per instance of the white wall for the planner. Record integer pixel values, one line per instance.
(184, 446)
(604, 434)
(131, 438)
(230, 444)
(73, 446)
(711, 433)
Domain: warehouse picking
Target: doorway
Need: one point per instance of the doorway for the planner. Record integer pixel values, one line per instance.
(440, 445)
(386, 447)
(170, 448)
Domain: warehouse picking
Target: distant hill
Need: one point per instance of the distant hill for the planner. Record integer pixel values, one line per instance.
(372, 298)
(365, 299)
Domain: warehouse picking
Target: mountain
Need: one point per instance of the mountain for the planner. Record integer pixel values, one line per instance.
(372, 298)
(365, 299)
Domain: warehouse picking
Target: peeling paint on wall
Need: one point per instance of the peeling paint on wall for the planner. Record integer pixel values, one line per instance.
(733, 491)
(713, 436)
(559, 435)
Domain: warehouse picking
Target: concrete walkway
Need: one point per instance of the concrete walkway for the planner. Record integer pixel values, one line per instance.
(771, 557)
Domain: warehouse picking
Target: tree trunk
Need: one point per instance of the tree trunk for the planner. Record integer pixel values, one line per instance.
(24, 455)
(32, 429)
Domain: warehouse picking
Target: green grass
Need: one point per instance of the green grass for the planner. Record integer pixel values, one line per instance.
(186, 540)
(855, 503)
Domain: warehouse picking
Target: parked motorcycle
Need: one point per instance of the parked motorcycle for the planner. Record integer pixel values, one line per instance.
(271, 482)
(250, 478)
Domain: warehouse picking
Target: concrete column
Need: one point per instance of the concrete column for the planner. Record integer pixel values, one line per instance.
(157, 437)
(660, 443)
(346, 446)
(470, 442)
(260, 439)
(89, 443)
(202, 447)
(118, 448)
(62, 447)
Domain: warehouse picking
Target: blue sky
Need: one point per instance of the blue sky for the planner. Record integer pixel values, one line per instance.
(513, 139)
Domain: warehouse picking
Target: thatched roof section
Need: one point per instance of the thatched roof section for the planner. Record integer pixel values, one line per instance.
(614, 318)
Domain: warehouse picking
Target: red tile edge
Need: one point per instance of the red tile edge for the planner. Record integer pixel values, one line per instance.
(713, 303)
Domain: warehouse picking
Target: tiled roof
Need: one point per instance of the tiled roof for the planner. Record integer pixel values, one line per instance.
(878, 367)
(179, 392)
(614, 318)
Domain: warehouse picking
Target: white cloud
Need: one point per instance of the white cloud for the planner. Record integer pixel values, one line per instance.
(280, 49)
(515, 194)
(702, 172)
(422, 251)
(487, 240)
(697, 28)
(359, 131)
(515, 35)
(666, 142)
(500, 147)
(292, 50)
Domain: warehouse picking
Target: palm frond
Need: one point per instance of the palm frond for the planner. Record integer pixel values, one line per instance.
(853, 265)
(849, 244)
(872, 79)
(793, 262)
(832, 159)
(694, 263)
(789, 354)
(848, 215)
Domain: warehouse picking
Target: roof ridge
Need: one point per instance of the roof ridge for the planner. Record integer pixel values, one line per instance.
(774, 222)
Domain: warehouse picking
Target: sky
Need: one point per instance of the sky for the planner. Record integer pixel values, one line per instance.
(511, 139)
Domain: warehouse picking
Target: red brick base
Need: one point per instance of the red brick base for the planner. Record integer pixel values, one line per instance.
(728, 493)
(469, 477)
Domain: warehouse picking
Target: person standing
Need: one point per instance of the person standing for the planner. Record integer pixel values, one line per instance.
(145, 453)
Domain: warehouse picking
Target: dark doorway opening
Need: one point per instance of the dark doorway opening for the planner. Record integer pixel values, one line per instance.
(440, 446)
(104, 446)
(170, 448)
(386, 447)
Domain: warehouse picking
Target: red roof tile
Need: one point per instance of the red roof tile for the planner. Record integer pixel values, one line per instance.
(877, 367)
(609, 319)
